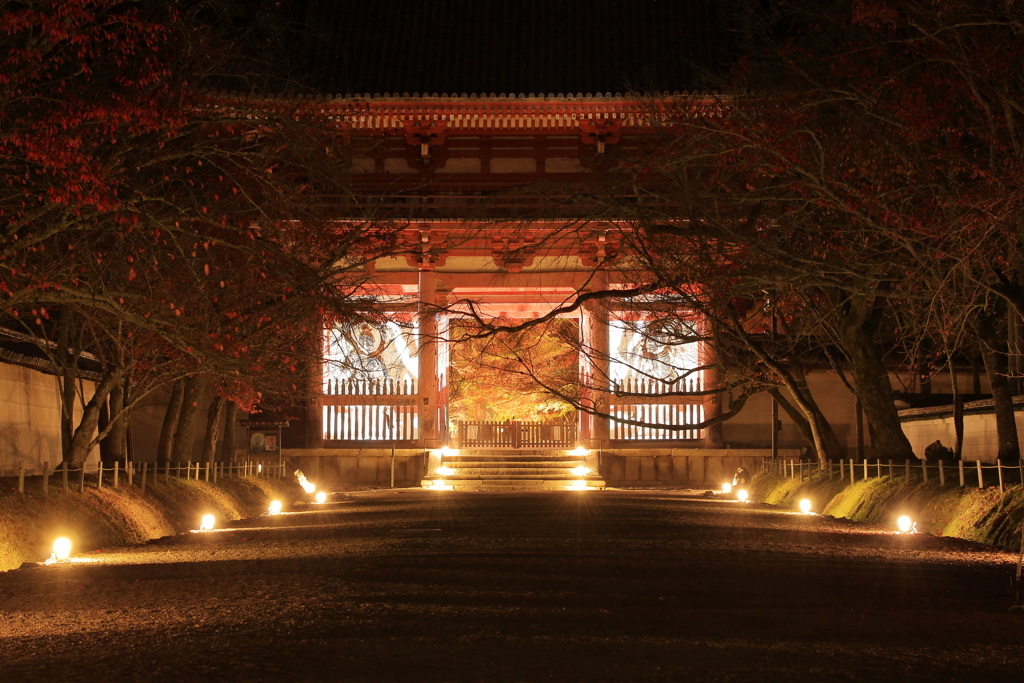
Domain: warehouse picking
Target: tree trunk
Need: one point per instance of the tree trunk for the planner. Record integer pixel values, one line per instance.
(84, 437)
(831, 448)
(170, 423)
(112, 446)
(191, 405)
(227, 446)
(871, 379)
(1002, 392)
(212, 428)
(958, 412)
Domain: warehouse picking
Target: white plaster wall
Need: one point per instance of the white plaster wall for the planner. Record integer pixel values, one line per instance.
(980, 440)
(30, 420)
(752, 427)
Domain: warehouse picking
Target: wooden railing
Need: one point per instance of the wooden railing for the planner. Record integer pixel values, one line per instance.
(368, 410)
(516, 434)
(663, 409)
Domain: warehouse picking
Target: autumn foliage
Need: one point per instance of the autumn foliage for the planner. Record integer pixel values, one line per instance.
(154, 225)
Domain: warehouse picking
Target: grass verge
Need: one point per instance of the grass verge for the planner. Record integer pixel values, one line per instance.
(109, 517)
(981, 515)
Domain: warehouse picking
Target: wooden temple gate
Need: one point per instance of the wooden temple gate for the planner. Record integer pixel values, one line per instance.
(516, 434)
(367, 410)
(654, 403)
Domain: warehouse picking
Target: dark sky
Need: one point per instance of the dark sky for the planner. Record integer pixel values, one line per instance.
(510, 46)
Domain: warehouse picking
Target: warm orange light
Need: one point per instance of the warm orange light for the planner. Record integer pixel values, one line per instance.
(445, 470)
(207, 523)
(62, 548)
(905, 524)
(742, 495)
(321, 497)
(275, 507)
(580, 471)
(805, 506)
(579, 452)
(726, 487)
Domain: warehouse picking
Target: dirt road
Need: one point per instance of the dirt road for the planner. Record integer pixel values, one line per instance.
(568, 586)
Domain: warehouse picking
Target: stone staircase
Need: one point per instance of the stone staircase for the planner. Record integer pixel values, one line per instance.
(480, 469)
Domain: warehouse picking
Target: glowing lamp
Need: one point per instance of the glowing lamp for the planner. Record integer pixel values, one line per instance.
(448, 452)
(580, 471)
(62, 548)
(726, 487)
(275, 507)
(805, 506)
(904, 524)
(444, 470)
(207, 523)
(259, 468)
(579, 451)
(321, 497)
(742, 495)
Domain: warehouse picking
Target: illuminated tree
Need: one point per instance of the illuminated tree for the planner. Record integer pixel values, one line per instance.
(157, 229)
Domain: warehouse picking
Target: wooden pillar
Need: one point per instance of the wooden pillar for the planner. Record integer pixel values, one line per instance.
(314, 434)
(426, 358)
(596, 354)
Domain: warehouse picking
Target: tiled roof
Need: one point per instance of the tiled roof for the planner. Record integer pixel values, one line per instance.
(511, 46)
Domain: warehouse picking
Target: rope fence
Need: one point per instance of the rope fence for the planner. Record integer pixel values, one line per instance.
(132, 474)
(964, 472)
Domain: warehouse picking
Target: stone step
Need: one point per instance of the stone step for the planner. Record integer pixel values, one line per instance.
(511, 463)
(512, 484)
(547, 473)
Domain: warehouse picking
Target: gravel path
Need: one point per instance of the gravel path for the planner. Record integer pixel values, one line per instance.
(418, 585)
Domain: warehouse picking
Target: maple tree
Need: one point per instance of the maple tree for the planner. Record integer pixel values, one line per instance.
(525, 375)
(163, 230)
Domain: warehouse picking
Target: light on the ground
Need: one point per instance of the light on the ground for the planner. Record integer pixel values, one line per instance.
(207, 523)
(805, 506)
(449, 452)
(445, 470)
(726, 487)
(579, 451)
(742, 495)
(580, 471)
(439, 485)
(62, 548)
(580, 485)
(275, 507)
(321, 497)
(905, 524)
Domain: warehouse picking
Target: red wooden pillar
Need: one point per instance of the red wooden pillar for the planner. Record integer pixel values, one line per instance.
(426, 382)
(596, 362)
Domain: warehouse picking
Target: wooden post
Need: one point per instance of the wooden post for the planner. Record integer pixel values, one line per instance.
(891, 475)
(961, 473)
(167, 471)
(981, 480)
(46, 478)
(853, 473)
(215, 466)
(117, 468)
(942, 474)
(21, 477)
(143, 487)
(129, 469)
(999, 469)
(64, 476)
(924, 470)
(865, 469)
(99, 474)
(207, 475)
